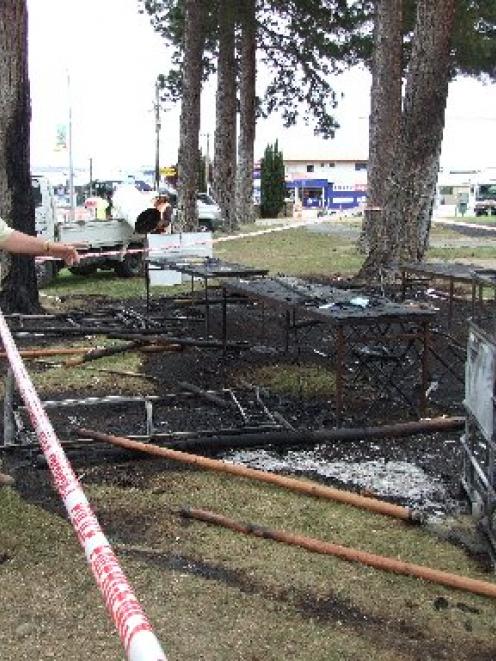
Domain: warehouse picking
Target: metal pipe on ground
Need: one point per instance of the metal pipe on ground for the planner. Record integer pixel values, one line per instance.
(345, 553)
(306, 436)
(309, 488)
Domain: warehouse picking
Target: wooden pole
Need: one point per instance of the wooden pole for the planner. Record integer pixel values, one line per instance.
(209, 397)
(296, 437)
(70, 351)
(6, 480)
(95, 354)
(300, 486)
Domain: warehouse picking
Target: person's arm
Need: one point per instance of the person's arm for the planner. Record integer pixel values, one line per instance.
(24, 244)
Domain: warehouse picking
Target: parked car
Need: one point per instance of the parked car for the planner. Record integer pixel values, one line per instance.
(209, 213)
(143, 186)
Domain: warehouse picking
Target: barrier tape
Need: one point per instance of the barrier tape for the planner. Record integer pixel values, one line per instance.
(135, 631)
(220, 239)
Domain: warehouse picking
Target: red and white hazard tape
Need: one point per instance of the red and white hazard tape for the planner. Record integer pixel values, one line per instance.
(220, 239)
(135, 631)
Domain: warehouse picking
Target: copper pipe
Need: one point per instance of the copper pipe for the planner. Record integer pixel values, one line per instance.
(310, 488)
(345, 553)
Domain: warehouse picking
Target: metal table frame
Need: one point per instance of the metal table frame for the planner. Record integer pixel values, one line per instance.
(469, 274)
(207, 269)
(294, 303)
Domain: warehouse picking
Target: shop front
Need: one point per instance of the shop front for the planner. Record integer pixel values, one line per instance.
(312, 193)
(324, 194)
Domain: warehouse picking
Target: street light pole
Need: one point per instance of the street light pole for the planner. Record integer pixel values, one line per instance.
(157, 135)
(91, 177)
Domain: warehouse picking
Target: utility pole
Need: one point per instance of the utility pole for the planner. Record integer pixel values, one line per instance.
(71, 164)
(157, 135)
(91, 177)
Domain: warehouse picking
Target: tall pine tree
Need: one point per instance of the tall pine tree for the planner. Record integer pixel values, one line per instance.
(19, 292)
(272, 182)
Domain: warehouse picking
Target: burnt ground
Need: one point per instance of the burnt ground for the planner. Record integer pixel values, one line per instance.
(126, 520)
(390, 397)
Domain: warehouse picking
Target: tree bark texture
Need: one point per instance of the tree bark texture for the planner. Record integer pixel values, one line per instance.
(188, 157)
(225, 128)
(411, 186)
(385, 112)
(18, 288)
(245, 212)
(423, 121)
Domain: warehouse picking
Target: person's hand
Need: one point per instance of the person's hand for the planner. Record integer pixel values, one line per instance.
(64, 251)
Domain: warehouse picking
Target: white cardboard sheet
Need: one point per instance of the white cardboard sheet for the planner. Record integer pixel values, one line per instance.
(187, 244)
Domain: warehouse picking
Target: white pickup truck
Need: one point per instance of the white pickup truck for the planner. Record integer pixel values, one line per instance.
(108, 240)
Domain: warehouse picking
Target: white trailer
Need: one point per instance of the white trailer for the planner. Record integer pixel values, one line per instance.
(112, 242)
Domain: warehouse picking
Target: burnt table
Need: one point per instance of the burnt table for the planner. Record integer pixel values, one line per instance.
(453, 272)
(206, 268)
(362, 325)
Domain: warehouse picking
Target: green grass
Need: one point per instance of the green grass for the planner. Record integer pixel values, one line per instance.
(303, 381)
(294, 252)
(87, 377)
(103, 283)
(449, 253)
(214, 594)
(479, 220)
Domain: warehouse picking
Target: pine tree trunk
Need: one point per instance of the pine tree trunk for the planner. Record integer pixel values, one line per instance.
(18, 288)
(385, 114)
(225, 128)
(245, 211)
(411, 186)
(188, 158)
(424, 112)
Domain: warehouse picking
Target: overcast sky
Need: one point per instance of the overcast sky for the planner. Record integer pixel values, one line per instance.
(113, 56)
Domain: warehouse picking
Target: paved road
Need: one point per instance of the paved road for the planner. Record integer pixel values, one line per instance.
(471, 235)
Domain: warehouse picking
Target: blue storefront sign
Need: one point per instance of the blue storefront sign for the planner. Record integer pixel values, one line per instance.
(323, 194)
(313, 193)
